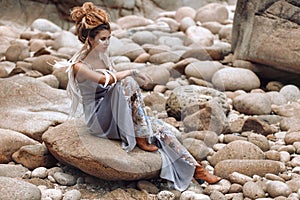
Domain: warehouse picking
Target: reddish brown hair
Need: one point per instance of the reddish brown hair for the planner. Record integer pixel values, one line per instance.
(89, 20)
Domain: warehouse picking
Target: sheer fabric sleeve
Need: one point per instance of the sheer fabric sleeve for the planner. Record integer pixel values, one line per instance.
(72, 87)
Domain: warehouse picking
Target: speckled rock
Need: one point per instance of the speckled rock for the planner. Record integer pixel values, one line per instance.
(192, 95)
(253, 190)
(248, 167)
(238, 149)
(25, 190)
(13, 171)
(260, 141)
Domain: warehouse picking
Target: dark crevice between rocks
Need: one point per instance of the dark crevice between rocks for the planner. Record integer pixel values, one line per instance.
(284, 10)
(294, 2)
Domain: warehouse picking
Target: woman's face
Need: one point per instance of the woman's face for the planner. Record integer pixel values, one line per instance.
(101, 41)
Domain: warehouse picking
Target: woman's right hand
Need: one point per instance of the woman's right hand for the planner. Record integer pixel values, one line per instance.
(140, 77)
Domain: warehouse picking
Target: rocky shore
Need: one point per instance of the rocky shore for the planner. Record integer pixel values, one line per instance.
(242, 128)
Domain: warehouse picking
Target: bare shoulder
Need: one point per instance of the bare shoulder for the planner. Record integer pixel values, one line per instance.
(79, 65)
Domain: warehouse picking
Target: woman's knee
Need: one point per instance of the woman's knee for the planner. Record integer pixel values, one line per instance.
(130, 86)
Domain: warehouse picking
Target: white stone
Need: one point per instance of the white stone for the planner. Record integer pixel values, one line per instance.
(40, 172)
(187, 195)
(200, 36)
(54, 194)
(165, 195)
(233, 79)
(290, 92)
(296, 170)
(72, 195)
(284, 156)
(45, 26)
(278, 188)
(239, 178)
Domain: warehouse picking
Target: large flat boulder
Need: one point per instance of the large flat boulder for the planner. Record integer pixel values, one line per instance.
(268, 33)
(71, 144)
(30, 106)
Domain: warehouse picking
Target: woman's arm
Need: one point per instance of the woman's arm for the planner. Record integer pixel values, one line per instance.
(82, 72)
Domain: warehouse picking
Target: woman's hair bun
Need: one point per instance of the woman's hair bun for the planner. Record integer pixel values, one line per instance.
(89, 15)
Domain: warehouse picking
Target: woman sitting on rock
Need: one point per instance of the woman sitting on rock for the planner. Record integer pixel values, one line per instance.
(113, 105)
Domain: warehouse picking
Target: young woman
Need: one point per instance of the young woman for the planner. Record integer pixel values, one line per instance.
(113, 105)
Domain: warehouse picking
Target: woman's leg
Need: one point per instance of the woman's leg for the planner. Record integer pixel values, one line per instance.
(142, 123)
(167, 138)
(145, 129)
(173, 147)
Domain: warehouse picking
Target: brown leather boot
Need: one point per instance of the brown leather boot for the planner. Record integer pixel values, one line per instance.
(143, 144)
(203, 174)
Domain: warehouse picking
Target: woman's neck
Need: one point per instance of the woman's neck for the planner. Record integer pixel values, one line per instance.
(94, 59)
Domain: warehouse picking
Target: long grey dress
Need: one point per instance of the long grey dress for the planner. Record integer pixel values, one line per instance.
(117, 112)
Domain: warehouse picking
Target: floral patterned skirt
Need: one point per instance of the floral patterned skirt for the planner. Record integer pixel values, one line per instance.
(178, 163)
